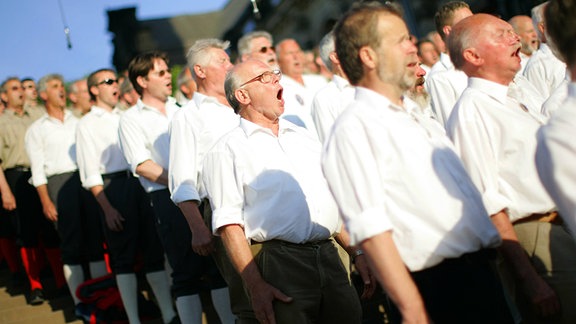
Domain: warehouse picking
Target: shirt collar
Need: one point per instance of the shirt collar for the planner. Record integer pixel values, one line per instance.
(492, 89)
(99, 111)
(250, 128)
(340, 82)
(446, 61)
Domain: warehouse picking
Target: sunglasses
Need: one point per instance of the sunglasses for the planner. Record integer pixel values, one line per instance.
(265, 77)
(108, 81)
(265, 49)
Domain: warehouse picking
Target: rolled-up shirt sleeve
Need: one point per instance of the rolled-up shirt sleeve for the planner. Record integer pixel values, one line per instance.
(355, 180)
(225, 191)
(88, 158)
(183, 166)
(132, 142)
(36, 154)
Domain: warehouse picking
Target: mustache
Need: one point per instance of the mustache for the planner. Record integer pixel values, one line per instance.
(420, 81)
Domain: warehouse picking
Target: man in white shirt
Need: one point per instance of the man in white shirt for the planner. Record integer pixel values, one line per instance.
(257, 45)
(495, 136)
(193, 131)
(444, 83)
(428, 54)
(125, 207)
(331, 100)
(528, 38)
(544, 70)
(80, 98)
(266, 188)
(556, 146)
(299, 88)
(51, 147)
(145, 142)
(404, 194)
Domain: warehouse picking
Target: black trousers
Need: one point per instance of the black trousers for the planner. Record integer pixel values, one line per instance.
(31, 225)
(192, 272)
(79, 223)
(463, 290)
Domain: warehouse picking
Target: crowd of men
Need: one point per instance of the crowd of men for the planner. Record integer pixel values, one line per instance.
(440, 169)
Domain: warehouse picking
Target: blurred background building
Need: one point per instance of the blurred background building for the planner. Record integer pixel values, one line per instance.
(307, 21)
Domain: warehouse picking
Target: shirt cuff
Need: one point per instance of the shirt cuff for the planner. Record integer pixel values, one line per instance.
(367, 224)
(92, 181)
(226, 216)
(184, 193)
(494, 202)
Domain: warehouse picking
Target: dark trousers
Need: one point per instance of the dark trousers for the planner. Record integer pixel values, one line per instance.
(315, 277)
(31, 225)
(191, 273)
(139, 234)
(79, 223)
(463, 290)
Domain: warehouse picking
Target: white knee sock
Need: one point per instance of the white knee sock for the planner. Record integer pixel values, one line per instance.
(74, 275)
(221, 302)
(98, 269)
(159, 283)
(189, 309)
(128, 286)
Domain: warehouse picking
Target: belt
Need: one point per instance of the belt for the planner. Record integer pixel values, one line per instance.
(18, 168)
(286, 243)
(116, 175)
(551, 217)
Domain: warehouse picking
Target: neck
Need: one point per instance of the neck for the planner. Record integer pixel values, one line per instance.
(390, 91)
(55, 111)
(18, 110)
(207, 90)
(154, 102)
(103, 105)
(261, 120)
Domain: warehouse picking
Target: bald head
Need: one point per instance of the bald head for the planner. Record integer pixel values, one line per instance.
(485, 46)
(290, 58)
(525, 29)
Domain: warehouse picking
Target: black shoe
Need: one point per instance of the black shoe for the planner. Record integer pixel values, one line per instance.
(36, 297)
(175, 320)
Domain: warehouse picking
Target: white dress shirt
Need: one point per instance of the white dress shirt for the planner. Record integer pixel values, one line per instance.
(394, 169)
(523, 61)
(98, 146)
(272, 186)
(193, 131)
(329, 103)
(496, 139)
(555, 158)
(445, 87)
(298, 99)
(444, 64)
(545, 71)
(556, 99)
(144, 136)
(51, 147)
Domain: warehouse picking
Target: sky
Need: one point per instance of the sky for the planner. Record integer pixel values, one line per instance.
(33, 42)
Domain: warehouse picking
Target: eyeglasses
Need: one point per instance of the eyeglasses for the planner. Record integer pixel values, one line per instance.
(265, 49)
(108, 81)
(265, 77)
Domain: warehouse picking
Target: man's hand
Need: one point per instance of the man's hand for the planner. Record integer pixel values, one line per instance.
(113, 219)
(361, 266)
(262, 296)
(202, 240)
(8, 200)
(541, 296)
(49, 210)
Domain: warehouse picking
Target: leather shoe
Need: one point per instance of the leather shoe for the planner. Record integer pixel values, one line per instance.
(36, 297)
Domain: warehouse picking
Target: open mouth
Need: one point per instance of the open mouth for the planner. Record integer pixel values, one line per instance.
(279, 94)
(516, 52)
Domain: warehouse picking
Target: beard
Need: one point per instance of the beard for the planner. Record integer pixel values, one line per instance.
(421, 98)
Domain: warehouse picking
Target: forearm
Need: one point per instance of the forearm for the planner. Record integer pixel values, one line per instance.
(153, 172)
(240, 255)
(389, 269)
(43, 194)
(98, 193)
(192, 214)
(511, 249)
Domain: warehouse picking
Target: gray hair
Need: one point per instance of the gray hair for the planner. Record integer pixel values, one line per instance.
(197, 54)
(182, 77)
(43, 83)
(73, 88)
(326, 46)
(231, 84)
(538, 17)
(8, 79)
(244, 43)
